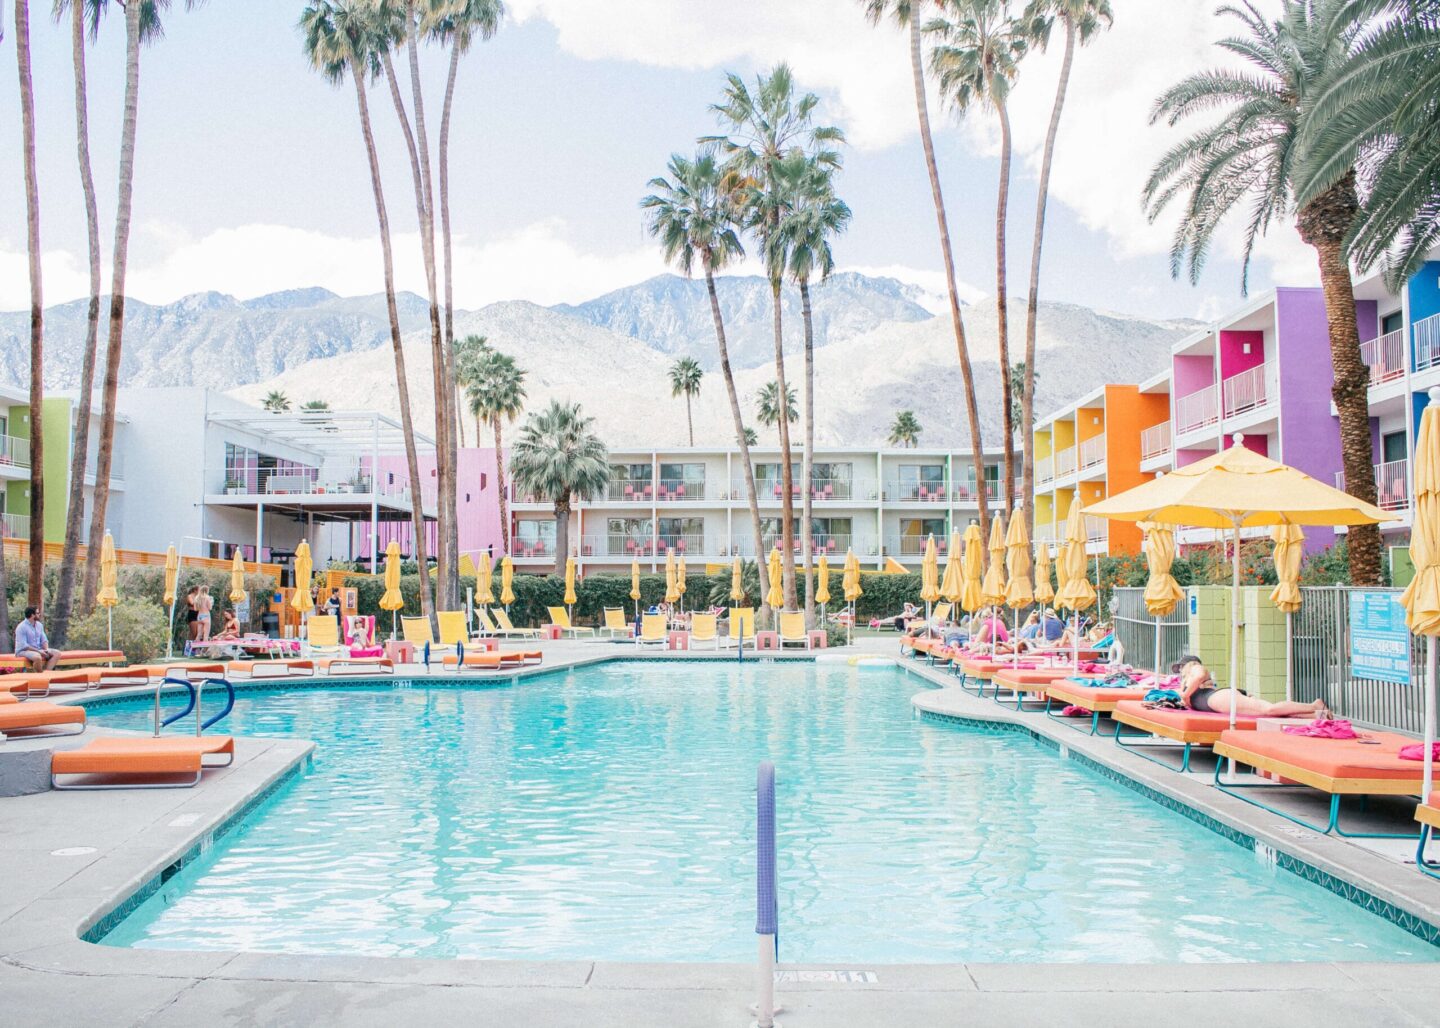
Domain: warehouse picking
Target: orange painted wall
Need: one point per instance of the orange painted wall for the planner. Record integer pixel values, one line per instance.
(1089, 422)
(1128, 413)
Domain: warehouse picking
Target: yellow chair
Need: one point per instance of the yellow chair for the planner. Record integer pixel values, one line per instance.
(742, 626)
(652, 630)
(792, 629)
(453, 628)
(487, 627)
(704, 628)
(941, 613)
(561, 617)
(615, 623)
(323, 633)
(417, 633)
(503, 626)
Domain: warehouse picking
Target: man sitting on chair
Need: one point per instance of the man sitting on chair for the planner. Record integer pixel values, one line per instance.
(32, 645)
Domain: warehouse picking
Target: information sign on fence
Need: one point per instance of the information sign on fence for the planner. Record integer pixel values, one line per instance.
(1379, 640)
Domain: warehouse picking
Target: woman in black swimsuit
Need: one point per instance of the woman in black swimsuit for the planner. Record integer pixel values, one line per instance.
(1199, 692)
(192, 616)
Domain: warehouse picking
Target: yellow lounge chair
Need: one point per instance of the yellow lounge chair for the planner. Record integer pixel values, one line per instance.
(417, 633)
(704, 628)
(454, 630)
(561, 617)
(324, 635)
(652, 630)
(792, 629)
(482, 618)
(504, 626)
(742, 626)
(615, 624)
(941, 613)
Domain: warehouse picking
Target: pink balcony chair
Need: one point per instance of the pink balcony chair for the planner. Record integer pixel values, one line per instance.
(646, 492)
(629, 492)
(679, 545)
(777, 490)
(829, 491)
(680, 492)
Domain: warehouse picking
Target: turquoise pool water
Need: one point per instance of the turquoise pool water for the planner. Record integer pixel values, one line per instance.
(607, 813)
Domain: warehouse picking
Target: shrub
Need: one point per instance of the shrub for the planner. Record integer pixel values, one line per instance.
(139, 630)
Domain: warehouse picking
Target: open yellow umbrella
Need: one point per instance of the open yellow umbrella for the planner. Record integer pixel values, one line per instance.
(569, 582)
(172, 584)
(929, 576)
(776, 596)
(391, 599)
(484, 580)
(952, 582)
(1421, 597)
(237, 579)
(1238, 488)
(1162, 592)
(972, 568)
(507, 580)
(1044, 591)
(109, 593)
(302, 601)
(737, 587)
(822, 582)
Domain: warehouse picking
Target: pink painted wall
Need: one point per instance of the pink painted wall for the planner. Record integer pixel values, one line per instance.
(1234, 359)
(477, 500)
(1192, 374)
(1255, 444)
(1184, 457)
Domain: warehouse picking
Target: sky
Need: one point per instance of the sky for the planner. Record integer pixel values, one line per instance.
(251, 176)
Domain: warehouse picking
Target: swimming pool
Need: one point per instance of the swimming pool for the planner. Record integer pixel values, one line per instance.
(607, 813)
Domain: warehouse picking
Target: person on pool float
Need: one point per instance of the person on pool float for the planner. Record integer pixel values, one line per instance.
(1199, 692)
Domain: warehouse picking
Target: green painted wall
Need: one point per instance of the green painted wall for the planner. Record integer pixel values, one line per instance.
(57, 466)
(1262, 638)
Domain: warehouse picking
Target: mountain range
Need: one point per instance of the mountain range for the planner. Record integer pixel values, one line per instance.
(878, 349)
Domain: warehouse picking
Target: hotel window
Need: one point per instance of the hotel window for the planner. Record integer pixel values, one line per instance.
(769, 483)
(630, 537)
(631, 482)
(921, 481)
(683, 535)
(915, 531)
(1392, 322)
(832, 481)
(682, 481)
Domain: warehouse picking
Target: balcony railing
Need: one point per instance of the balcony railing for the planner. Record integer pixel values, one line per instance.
(1045, 533)
(914, 546)
(1092, 451)
(968, 492)
(1065, 462)
(1155, 441)
(1196, 410)
(534, 548)
(1385, 356)
(916, 492)
(1427, 342)
(1044, 469)
(17, 526)
(15, 452)
(1097, 530)
(1246, 391)
(300, 482)
(630, 490)
(831, 545)
(1392, 484)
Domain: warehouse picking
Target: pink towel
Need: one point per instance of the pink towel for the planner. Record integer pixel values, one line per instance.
(1323, 729)
(1417, 751)
(1074, 711)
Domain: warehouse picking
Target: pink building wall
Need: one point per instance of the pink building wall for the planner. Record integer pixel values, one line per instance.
(1233, 358)
(1192, 374)
(476, 498)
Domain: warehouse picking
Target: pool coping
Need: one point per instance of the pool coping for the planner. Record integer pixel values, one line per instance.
(42, 938)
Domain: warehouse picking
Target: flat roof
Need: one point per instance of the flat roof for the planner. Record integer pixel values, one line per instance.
(327, 433)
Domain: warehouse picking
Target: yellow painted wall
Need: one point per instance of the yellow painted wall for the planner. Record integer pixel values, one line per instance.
(1062, 503)
(1089, 422)
(1043, 447)
(1064, 435)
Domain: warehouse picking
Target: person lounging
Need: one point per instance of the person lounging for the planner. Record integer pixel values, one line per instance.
(1199, 692)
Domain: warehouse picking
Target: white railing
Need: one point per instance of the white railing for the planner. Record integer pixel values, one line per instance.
(1196, 410)
(15, 452)
(1155, 441)
(914, 546)
(1427, 342)
(1044, 533)
(1092, 451)
(1065, 462)
(300, 482)
(1044, 469)
(1097, 530)
(1385, 356)
(17, 526)
(1392, 484)
(916, 492)
(1245, 391)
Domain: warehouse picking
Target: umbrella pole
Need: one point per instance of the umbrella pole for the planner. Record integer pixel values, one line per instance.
(1289, 657)
(170, 641)
(109, 628)
(1430, 670)
(1157, 648)
(1235, 630)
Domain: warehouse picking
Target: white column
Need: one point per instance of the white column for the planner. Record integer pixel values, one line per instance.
(375, 498)
(259, 529)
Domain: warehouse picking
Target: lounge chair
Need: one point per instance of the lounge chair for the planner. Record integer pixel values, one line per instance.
(704, 628)
(140, 757)
(1098, 699)
(560, 617)
(478, 661)
(1026, 683)
(288, 667)
(68, 658)
(1162, 727)
(35, 716)
(454, 627)
(742, 627)
(332, 656)
(416, 631)
(616, 625)
(353, 665)
(323, 633)
(792, 629)
(159, 672)
(1428, 814)
(652, 630)
(503, 626)
(40, 683)
(1366, 766)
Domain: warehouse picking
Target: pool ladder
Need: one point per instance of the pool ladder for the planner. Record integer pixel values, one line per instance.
(196, 690)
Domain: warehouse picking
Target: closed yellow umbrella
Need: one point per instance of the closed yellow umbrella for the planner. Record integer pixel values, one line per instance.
(484, 581)
(930, 575)
(109, 593)
(992, 589)
(1162, 592)
(737, 587)
(507, 580)
(1019, 591)
(172, 576)
(952, 583)
(1076, 593)
(1289, 549)
(302, 601)
(671, 595)
(1044, 591)
(1421, 597)
(680, 575)
(776, 596)
(391, 599)
(972, 568)
(237, 579)
(569, 581)
(851, 582)
(822, 583)
(635, 585)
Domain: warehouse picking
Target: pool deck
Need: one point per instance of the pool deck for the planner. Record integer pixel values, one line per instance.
(49, 976)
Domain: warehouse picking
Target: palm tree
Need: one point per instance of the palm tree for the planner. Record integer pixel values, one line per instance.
(340, 41)
(497, 395)
(767, 406)
(765, 126)
(907, 14)
(557, 456)
(37, 307)
(315, 405)
(751, 439)
(276, 402)
(905, 429)
(1248, 157)
(811, 216)
(685, 376)
(1018, 378)
(1082, 20)
(1374, 112)
(80, 446)
(693, 215)
(467, 354)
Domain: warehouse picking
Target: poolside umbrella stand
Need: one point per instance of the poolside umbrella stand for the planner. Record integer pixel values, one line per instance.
(635, 587)
(850, 585)
(992, 589)
(237, 579)
(671, 593)
(929, 577)
(1044, 591)
(822, 585)
(172, 582)
(1289, 549)
(1235, 489)
(1421, 598)
(1019, 591)
(570, 588)
(1162, 592)
(302, 602)
(484, 581)
(507, 581)
(1076, 593)
(109, 593)
(391, 599)
(952, 582)
(971, 568)
(776, 596)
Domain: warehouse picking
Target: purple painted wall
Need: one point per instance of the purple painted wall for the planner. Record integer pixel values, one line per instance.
(1309, 433)
(1192, 374)
(478, 504)
(1234, 359)
(1367, 315)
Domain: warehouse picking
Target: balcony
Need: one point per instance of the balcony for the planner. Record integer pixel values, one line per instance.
(1155, 441)
(1065, 462)
(913, 492)
(1045, 533)
(1385, 357)
(821, 490)
(628, 490)
(263, 482)
(534, 549)
(968, 493)
(1044, 470)
(914, 546)
(1392, 485)
(1092, 451)
(1246, 391)
(1197, 410)
(14, 452)
(16, 526)
(1427, 342)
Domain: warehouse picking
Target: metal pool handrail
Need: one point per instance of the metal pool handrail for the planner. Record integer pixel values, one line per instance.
(196, 690)
(767, 911)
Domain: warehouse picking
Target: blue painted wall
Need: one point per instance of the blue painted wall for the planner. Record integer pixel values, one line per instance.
(1424, 289)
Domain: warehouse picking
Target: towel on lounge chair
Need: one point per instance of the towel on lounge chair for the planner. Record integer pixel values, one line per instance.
(1417, 752)
(1333, 729)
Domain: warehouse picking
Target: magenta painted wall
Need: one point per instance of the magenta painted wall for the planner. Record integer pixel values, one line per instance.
(1254, 443)
(1309, 433)
(1233, 358)
(477, 500)
(1192, 374)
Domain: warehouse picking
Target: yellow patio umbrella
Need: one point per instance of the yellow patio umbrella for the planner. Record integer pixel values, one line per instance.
(952, 582)
(1044, 591)
(1162, 592)
(237, 579)
(972, 568)
(109, 593)
(1421, 597)
(302, 601)
(822, 583)
(671, 595)
(737, 586)
(1076, 593)
(1238, 488)
(172, 581)
(1019, 590)
(391, 599)
(680, 580)
(484, 580)
(992, 587)
(569, 584)
(1289, 550)
(775, 598)
(851, 582)
(635, 585)
(507, 580)
(929, 576)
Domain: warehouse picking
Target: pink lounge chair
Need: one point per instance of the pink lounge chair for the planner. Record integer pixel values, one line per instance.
(629, 492)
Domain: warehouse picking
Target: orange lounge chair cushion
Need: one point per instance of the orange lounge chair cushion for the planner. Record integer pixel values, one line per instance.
(475, 660)
(249, 666)
(179, 670)
(1330, 758)
(1023, 678)
(40, 679)
(39, 715)
(375, 661)
(1183, 725)
(1429, 813)
(141, 755)
(1103, 698)
(68, 657)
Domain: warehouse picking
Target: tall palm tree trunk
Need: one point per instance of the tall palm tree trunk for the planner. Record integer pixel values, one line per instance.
(500, 483)
(689, 418)
(1042, 197)
(1002, 317)
(402, 383)
(750, 496)
(80, 454)
(962, 348)
(807, 542)
(457, 439)
(1324, 224)
(35, 584)
(116, 332)
(562, 534)
(787, 474)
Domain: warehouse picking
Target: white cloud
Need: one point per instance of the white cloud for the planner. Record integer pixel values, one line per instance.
(933, 293)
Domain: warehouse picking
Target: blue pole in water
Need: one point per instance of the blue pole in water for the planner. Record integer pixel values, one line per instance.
(767, 911)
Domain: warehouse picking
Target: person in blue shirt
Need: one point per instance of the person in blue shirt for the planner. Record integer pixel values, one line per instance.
(32, 645)
(1052, 628)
